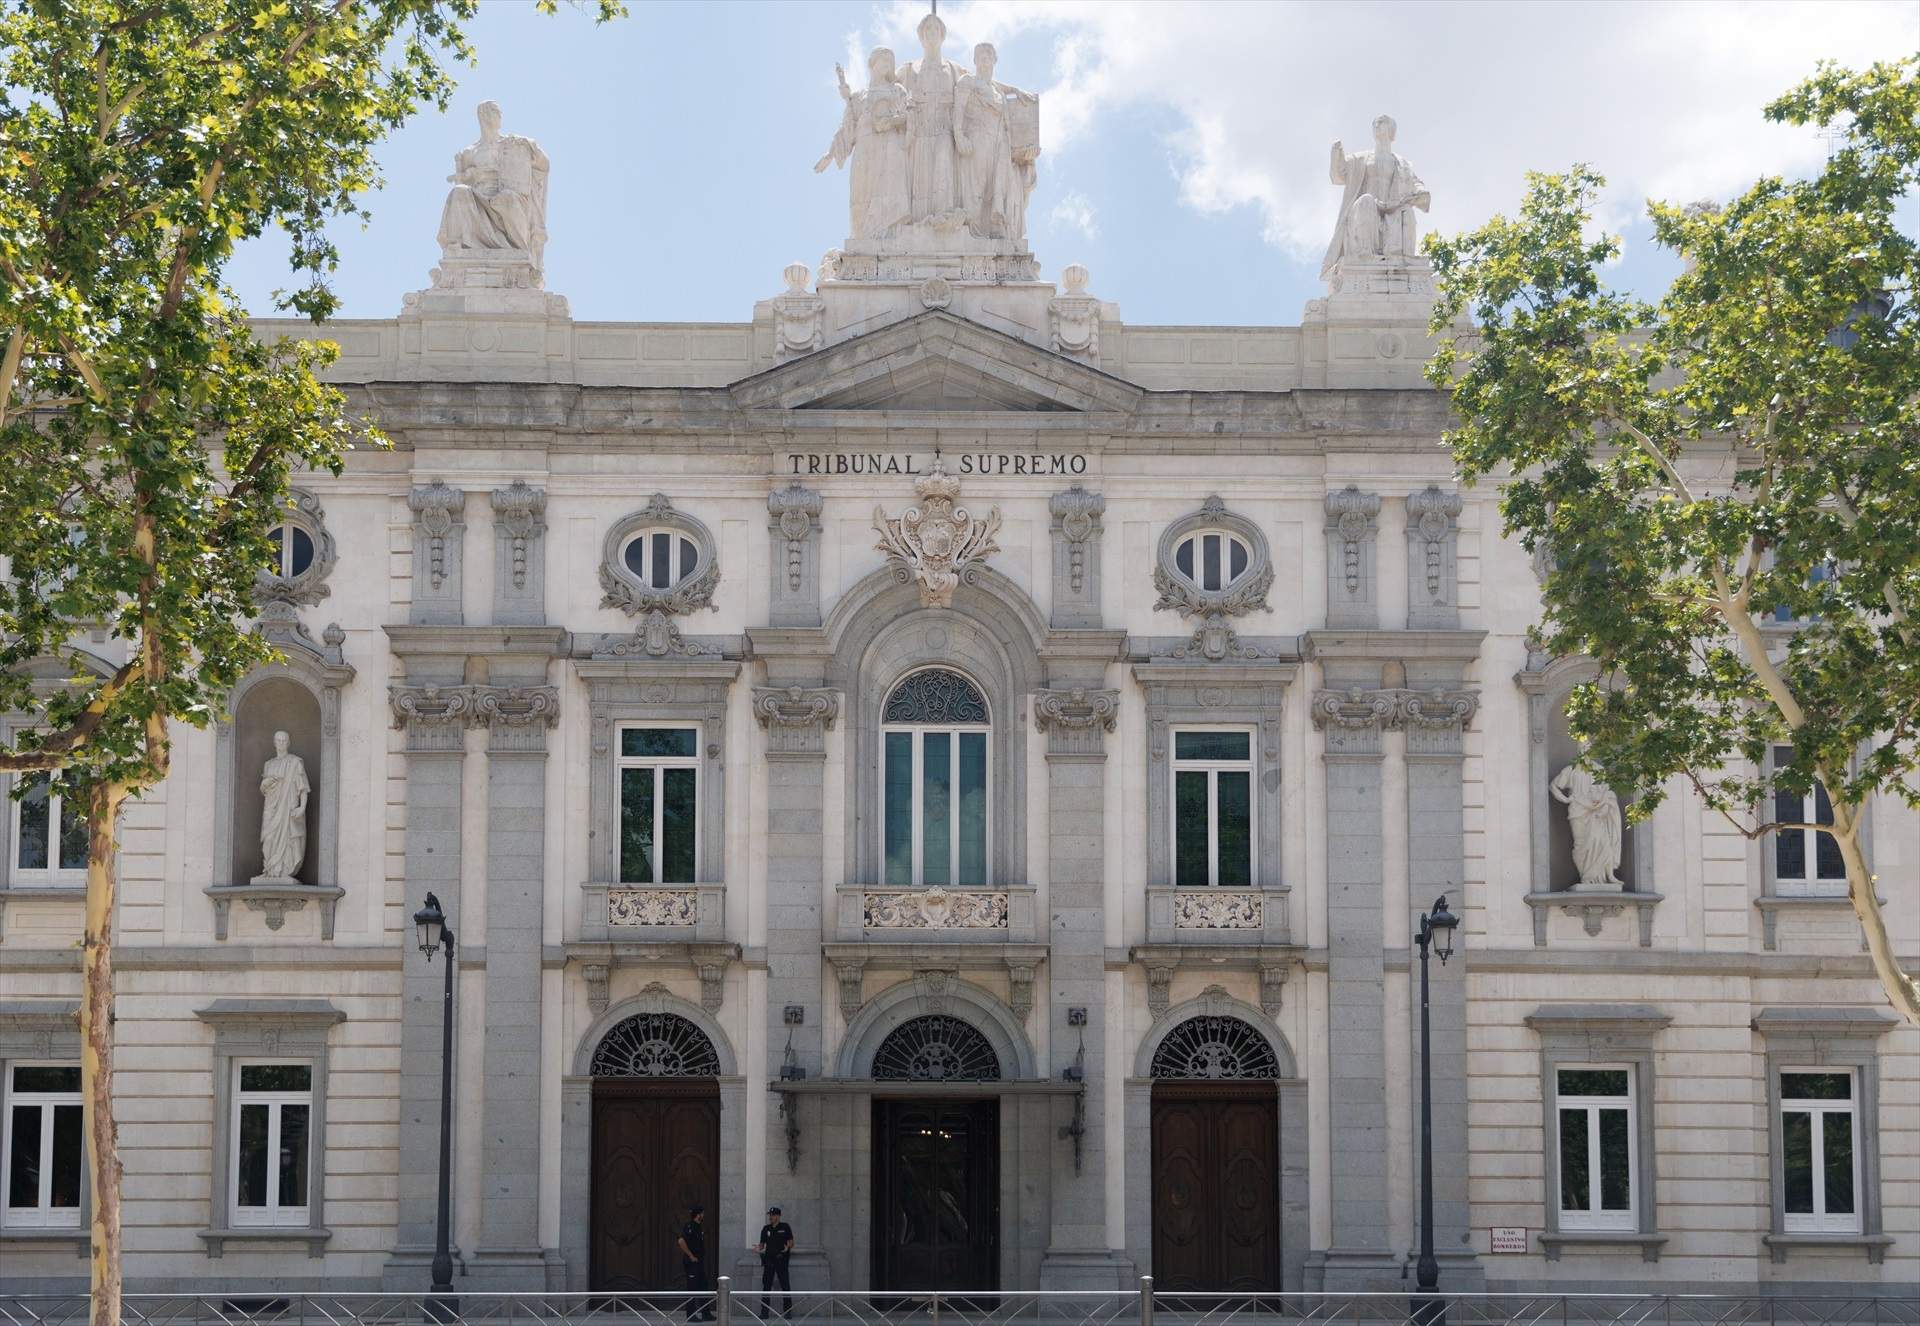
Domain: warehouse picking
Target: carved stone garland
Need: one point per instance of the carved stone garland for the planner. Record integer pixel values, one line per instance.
(520, 511)
(934, 541)
(1077, 510)
(437, 509)
(796, 509)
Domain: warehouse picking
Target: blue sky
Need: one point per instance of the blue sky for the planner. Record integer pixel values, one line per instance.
(1185, 144)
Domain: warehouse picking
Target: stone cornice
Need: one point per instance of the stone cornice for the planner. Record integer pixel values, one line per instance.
(1403, 646)
(488, 641)
(1824, 1023)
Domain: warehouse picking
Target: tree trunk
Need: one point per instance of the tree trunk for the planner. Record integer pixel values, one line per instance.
(1902, 991)
(96, 1051)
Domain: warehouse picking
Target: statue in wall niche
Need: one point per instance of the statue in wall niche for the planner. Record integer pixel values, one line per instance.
(283, 812)
(873, 133)
(498, 203)
(996, 136)
(1377, 205)
(1593, 813)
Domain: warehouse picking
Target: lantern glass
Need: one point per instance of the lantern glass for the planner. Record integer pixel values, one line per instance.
(431, 923)
(1443, 923)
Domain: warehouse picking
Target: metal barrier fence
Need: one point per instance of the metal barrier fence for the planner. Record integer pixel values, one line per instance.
(730, 1305)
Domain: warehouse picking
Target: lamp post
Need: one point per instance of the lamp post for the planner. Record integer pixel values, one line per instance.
(1436, 933)
(435, 933)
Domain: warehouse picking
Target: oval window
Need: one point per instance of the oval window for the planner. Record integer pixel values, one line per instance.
(293, 550)
(661, 559)
(1212, 560)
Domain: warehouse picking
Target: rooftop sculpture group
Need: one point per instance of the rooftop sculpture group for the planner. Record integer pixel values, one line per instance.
(943, 158)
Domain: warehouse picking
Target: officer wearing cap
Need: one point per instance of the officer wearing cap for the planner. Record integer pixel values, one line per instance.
(775, 1248)
(693, 1260)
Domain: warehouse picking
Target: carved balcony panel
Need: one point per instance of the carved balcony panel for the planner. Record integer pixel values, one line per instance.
(648, 913)
(949, 915)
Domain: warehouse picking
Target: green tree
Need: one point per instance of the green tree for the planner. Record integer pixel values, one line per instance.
(146, 437)
(1727, 480)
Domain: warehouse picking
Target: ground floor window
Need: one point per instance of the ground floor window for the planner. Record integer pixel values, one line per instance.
(1596, 1140)
(43, 1151)
(1820, 1159)
(272, 1143)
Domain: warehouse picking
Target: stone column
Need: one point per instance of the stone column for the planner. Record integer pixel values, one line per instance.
(1434, 719)
(439, 530)
(1076, 720)
(1352, 720)
(434, 717)
(517, 718)
(796, 719)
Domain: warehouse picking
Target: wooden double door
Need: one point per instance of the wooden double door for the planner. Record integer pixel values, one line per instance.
(936, 1194)
(656, 1152)
(1216, 1186)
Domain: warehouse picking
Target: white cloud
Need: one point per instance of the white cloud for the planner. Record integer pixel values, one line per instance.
(1663, 98)
(1074, 212)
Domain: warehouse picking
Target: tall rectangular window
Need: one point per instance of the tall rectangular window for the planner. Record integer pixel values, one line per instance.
(935, 817)
(1596, 1141)
(272, 1143)
(1805, 861)
(1212, 807)
(41, 1150)
(49, 836)
(659, 805)
(1820, 1165)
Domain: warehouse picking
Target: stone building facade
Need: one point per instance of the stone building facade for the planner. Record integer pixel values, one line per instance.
(966, 769)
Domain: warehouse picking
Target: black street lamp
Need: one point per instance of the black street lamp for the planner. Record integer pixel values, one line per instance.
(436, 933)
(1436, 932)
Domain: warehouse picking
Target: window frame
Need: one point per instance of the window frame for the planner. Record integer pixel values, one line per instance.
(285, 571)
(916, 815)
(658, 764)
(1229, 539)
(1808, 884)
(52, 875)
(643, 575)
(41, 1216)
(273, 1215)
(1819, 1220)
(1596, 1219)
(1213, 768)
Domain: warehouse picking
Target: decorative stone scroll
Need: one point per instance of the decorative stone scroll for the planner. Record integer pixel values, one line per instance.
(794, 514)
(1433, 536)
(1076, 556)
(1394, 708)
(1273, 981)
(1352, 530)
(1020, 989)
(1159, 989)
(520, 559)
(849, 973)
(433, 717)
(934, 541)
(796, 717)
(936, 909)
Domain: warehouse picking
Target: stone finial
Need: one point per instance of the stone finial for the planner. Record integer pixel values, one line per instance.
(799, 316)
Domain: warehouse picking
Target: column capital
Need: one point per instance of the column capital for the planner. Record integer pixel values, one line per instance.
(1075, 718)
(796, 717)
(433, 717)
(516, 717)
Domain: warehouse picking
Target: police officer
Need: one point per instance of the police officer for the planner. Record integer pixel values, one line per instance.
(775, 1248)
(693, 1260)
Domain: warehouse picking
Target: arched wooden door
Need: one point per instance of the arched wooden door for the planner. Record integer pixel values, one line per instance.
(1216, 1159)
(656, 1150)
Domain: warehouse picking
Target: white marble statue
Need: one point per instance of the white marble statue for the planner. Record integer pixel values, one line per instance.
(873, 133)
(498, 202)
(1593, 813)
(1376, 208)
(931, 81)
(996, 151)
(283, 812)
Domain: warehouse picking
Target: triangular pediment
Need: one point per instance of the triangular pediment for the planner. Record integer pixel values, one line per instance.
(936, 361)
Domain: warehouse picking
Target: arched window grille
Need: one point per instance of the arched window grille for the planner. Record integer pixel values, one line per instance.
(1214, 1047)
(934, 781)
(936, 1048)
(655, 1045)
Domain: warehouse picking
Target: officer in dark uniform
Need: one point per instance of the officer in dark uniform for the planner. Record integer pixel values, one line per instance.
(693, 1260)
(775, 1249)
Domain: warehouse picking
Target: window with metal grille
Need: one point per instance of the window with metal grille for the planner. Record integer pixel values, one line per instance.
(655, 1045)
(936, 1048)
(1214, 1047)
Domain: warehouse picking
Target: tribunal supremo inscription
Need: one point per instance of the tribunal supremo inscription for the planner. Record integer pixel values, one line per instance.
(967, 462)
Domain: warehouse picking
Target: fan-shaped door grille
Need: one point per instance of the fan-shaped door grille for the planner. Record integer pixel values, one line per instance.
(655, 1045)
(936, 1049)
(1215, 1047)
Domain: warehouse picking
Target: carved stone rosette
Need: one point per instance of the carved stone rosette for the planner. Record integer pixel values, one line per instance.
(935, 541)
(796, 717)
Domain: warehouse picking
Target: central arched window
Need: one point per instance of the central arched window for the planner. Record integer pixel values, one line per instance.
(933, 785)
(660, 558)
(1212, 559)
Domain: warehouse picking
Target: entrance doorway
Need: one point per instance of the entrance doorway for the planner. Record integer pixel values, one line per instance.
(936, 1200)
(1216, 1186)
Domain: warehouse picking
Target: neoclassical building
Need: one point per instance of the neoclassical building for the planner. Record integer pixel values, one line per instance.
(964, 768)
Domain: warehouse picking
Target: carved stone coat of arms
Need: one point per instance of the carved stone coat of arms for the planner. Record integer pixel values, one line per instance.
(934, 540)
